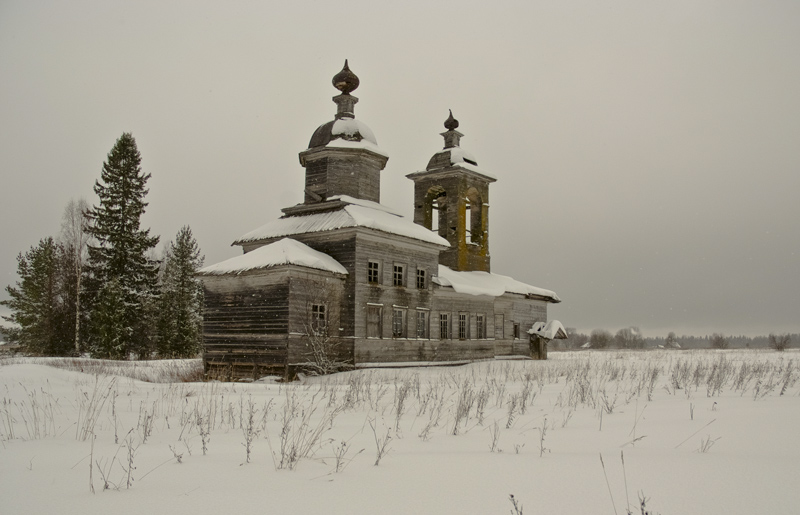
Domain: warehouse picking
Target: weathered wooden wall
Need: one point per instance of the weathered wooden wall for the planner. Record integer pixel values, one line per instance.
(245, 325)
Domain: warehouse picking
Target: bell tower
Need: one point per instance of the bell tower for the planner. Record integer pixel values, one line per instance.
(451, 197)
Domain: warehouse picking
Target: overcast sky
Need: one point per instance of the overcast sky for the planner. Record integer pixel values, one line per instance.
(648, 153)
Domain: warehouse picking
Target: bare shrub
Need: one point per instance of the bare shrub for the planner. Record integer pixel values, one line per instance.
(780, 342)
(718, 341)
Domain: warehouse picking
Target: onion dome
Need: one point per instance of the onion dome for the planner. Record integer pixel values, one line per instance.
(344, 127)
(451, 123)
(345, 81)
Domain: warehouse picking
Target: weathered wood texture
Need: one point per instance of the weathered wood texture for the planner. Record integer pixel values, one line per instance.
(389, 252)
(245, 324)
(462, 199)
(395, 350)
(332, 171)
(258, 322)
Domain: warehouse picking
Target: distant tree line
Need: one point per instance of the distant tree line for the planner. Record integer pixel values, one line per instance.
(632, 338)
(99, 288)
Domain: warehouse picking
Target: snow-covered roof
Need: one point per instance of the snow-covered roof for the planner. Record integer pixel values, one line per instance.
(345, 133)
(462, 158)
(357, 213)
(350, 128)
(485, 283)
(283, 252)
(549, 331)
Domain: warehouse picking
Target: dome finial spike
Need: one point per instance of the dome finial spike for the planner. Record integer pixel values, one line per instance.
(451, 123)
(345, 81)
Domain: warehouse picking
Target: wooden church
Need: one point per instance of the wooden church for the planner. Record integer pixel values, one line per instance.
(343, 281)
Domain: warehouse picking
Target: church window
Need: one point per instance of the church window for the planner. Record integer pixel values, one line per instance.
(398, 275)
(399, 323)
(421, 283)
(373, 272)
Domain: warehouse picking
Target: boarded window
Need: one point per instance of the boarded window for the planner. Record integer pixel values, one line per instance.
(444, 326)
(422, 324)
(499, 330)
(480, 327)
(399, 323)
(374, 321)
(373, 272)
(399, 275)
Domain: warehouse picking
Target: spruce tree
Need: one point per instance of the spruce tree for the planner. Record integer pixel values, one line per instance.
(120, 253)
(181, 302)
(40, 303)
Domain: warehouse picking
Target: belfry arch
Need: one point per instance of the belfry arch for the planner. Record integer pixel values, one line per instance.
(435, 210)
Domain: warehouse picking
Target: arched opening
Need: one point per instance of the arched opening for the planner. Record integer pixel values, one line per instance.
(436, 210)
(474, 217)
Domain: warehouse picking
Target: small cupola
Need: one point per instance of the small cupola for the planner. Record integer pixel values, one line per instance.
(343, 157)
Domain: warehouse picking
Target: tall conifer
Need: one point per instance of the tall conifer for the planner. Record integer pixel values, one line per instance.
(119, 253)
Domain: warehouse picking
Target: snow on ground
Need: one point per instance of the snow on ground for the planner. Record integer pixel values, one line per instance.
(701, 431)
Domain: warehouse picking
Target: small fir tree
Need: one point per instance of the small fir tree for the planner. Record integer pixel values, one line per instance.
(181, 301)
(39, 302)
(121, 253)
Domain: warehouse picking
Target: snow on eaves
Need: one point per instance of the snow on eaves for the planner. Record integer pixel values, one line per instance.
(364, 144)
(358, 213)
(485, 283)
(282, 252)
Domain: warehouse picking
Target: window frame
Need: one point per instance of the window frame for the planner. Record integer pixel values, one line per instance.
(379, 328)
(423, 324)
(398, 274)
(480, 326)
(373, 272)
(445, 330)
(422, 279)
(319, 319)
(399, 329)
(463, 326)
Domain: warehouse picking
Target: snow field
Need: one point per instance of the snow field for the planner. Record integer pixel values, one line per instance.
(699, 431)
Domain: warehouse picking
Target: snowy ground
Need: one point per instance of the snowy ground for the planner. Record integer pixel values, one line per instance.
(700, 431)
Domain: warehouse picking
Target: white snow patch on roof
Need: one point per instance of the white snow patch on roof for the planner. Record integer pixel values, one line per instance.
(365, 203)
(485, 283)
(459, 157)
(350, 127)
(360, 214)
(473, 168)
(550, 330)
(282, 252)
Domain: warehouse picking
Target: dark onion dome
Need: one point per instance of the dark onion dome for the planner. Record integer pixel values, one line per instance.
(451, 123)
(345, 81)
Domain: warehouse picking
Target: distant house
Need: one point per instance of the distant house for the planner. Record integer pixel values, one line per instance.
(342, 278)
